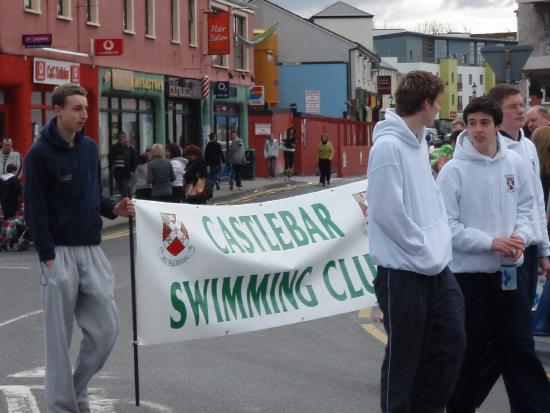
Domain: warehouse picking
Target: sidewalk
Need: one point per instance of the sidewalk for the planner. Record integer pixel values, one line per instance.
(250, 187)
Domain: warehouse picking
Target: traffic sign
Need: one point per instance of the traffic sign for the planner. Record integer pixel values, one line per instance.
(108, 47)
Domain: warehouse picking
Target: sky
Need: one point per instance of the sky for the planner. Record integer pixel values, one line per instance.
(473, 16)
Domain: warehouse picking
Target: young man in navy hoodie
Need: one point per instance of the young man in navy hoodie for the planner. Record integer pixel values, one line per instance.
(410, 241)
(488, 201)
(63, 204)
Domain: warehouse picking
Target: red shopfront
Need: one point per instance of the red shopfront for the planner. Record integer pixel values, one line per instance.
(26, 84)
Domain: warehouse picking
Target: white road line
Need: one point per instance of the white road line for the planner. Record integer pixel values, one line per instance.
(13, 320)
(19, 399)
(15, 268)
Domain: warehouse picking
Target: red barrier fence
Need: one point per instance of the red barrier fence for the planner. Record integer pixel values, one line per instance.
(351, 141)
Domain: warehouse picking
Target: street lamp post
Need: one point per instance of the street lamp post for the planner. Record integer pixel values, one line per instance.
(474, 89)
(391, 101)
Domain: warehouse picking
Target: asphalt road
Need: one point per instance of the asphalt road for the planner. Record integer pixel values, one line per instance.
(327, 365)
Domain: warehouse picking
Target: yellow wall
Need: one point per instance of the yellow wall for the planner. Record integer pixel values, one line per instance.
(265, 67)
(490, 78)
(448, 72)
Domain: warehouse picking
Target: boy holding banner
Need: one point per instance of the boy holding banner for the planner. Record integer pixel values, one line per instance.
(63, 202)
(410, 241)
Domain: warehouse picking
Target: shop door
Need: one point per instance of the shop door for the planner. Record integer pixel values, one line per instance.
(223, 126)
(3, 123)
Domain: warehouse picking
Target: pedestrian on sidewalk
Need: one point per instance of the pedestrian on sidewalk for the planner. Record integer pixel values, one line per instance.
(289, 149)
(324, 157)
(213, 155)
(63, 202)
(410, 241)
(235, 157)
(178, 165)
(10, 156)
(271, 151)
(160, 175)
(487, 253)
(10, 191)
(122, 163)
(196, 169)
(142, 188)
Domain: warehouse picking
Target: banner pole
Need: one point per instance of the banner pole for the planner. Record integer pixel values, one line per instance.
(134, 315)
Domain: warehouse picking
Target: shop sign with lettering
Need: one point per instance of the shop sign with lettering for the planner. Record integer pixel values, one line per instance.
(184, 88)
(54, 72)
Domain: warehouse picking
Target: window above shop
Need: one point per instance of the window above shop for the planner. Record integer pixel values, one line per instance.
(150, 19)
(240, 51)
(175, 15)
(92, 12)
(32, 6)
(2, 97)
(128, 17)
(64, 9)
(192, 20)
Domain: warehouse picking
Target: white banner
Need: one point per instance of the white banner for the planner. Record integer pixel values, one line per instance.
(207, 271)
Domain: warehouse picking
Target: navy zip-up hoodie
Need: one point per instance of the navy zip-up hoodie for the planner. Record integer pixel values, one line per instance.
(63, 192)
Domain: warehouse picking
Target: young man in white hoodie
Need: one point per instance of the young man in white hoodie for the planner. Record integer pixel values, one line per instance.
(410, 241)
(538, 249)
(488, 202)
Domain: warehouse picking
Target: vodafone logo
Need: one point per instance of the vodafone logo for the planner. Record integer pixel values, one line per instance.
(40, 70)
(108, 47)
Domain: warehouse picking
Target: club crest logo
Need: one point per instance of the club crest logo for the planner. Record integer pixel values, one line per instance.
(360, 198)
(175, 248)
(510, 183)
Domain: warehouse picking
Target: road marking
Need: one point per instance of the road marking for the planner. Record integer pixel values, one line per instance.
(15, 268)
(115, 235)
(371, 327)
(262, 193)
(13, 320)
(39, 372)
(19, 399)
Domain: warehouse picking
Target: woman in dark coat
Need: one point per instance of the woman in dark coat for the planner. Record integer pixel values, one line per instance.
(196, 168)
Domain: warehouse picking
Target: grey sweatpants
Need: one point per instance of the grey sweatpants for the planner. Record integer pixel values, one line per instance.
(79, 285)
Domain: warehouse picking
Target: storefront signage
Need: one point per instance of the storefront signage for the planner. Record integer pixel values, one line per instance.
(108, 47)
(221, 90)
(184, 88)
(54, 72)
(262, 129)
(130, 81)
(313, 101)
(384, 85)
(256, 96)
(33, 41)
(218, 33)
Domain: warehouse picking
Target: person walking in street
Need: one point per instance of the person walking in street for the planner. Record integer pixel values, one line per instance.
(160, 175)
(271, 151)
(63, 203)
(142, 189)
(122, 163)
(235, 157)
(289, 149)
(410, 241)
(213, 155)
(324, 157)
(10, 156)
(178, 165)
(490, 220)
(537, 251)
(196, 169)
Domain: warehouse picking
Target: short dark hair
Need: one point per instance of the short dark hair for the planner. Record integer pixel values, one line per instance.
(413, 90)
(192, 150)
(212, 136)
(143, 158)
(61, 92)
(174, 150)
(502, 91)
(11, 168)
(484, 104)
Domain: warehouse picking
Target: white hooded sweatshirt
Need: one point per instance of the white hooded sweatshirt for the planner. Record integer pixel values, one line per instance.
(526, 149)
(407, 224)
(485, 198)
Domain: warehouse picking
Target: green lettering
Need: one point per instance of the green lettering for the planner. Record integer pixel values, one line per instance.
(231, 241)
(368, 286)
(297, 233)
(177, 305)
(235, 225)
(232, 297)
(286, 287)
(273, 247)
(271, 219)
(331, 290)
(351, 288)
(206, 220)
(214, 290)
(255, 293)
(312, 302)
(311, 227)
(248, 222)
(323, 215)
(198, 302)
(272, 292)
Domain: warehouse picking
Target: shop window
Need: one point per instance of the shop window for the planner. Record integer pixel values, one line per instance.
(128, 17)
(470, 79)
(41, 110)
(63, 9)
(2, 98)
(480, 79)
(239, 52)
(192, 20)
(32, 6)
(92, 12)
(175, 12)
(150, 18)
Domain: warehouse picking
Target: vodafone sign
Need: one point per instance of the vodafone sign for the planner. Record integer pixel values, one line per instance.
(54, 72)
(108, 47)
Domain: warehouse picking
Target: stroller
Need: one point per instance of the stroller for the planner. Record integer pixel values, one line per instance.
(14, 235)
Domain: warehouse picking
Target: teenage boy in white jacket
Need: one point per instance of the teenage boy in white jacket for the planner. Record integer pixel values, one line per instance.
(536, 254)
(410, 241)
(488, 201)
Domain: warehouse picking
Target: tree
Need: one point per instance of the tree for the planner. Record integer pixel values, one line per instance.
(434, 27)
